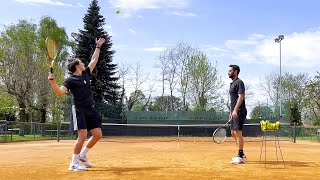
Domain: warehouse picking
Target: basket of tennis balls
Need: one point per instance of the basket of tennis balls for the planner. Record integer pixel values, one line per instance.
(268, 126)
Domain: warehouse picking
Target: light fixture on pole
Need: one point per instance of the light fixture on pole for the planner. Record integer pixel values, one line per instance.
(278, 40)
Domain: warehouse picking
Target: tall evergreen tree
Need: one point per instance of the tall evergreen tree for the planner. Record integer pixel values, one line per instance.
(103, 82)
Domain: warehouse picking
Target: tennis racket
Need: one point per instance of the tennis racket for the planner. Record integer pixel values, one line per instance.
(220, 134)
(51, 48)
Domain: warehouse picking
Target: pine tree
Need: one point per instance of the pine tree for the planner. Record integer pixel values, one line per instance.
(103, 80)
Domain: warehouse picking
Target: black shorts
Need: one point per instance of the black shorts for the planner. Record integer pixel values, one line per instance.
(237, 124)
(85, 118)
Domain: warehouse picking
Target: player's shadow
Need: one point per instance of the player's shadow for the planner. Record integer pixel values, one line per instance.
(278, 164)
(124, 170)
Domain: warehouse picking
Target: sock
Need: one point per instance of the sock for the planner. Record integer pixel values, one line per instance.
(84, 151)
(240, 153)
(75, 158)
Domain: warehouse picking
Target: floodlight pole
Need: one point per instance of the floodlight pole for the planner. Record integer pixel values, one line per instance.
(278, 40)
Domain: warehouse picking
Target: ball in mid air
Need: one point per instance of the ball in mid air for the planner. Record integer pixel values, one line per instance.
(117, 11)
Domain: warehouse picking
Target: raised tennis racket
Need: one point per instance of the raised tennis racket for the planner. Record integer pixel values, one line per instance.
(51, 48)
(220, 134)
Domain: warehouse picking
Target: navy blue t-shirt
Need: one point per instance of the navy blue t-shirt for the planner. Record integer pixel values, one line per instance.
(80, 88)
(236, 88)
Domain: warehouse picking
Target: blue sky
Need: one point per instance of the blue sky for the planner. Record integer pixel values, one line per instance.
(228, 31)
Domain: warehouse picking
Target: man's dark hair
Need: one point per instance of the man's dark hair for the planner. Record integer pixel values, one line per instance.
(235, 67)
(72, 65)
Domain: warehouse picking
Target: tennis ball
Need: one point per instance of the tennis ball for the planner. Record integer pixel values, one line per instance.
(277, 124)
(263, 125)
(269, 126)
(117, 11)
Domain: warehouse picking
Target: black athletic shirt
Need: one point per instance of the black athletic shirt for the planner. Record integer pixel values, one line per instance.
(236, 88)
(80, 88)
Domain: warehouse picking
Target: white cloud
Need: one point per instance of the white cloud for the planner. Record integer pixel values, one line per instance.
(299, 49)
(120, 46)
(148, 4)
(108, 28)
(129, 7)
(184, 14)
(48, 2)
(155, 49)
(80, 5)
(132, 31)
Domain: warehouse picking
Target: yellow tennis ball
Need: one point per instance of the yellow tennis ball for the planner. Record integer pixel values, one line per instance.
(263, 125)
(117, 11)
(277, 124)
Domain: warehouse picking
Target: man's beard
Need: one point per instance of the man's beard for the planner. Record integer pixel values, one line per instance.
(231, 76)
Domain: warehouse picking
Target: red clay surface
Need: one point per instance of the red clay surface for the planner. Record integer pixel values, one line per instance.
(149, 158)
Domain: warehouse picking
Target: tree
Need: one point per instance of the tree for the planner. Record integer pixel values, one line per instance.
(295, 115)
(163, 103)
(44, 97)
(18, 61)
(7, 105)
(184, 51)
(269, 83)
(24, 68)
(163, 65)
(173, 65)
(205, 84)
(311, 101)
(103, 79)
(292, 91)
(261, 112)
(123, 72)
(136, 101)
(137, 80)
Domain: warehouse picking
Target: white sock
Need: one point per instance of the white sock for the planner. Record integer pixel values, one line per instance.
(84, 151)
(75, 158)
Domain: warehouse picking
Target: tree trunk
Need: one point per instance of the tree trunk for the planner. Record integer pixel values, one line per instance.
(43, 113)
(22, 118)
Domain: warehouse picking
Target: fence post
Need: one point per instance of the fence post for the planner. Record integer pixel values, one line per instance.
(294, 132)
(34, 130)
(11, 131)
(58, 131)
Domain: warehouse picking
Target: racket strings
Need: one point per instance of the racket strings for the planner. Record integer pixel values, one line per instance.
(220, 135)
(51, 48)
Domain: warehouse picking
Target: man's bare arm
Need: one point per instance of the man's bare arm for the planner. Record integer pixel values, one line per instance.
(58, 90)
(95, 56)
(239, 102)
(234, 114)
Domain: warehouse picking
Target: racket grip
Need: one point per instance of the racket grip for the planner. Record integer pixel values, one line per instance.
(51, 71)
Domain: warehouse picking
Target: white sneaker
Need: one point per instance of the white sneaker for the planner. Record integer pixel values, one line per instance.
(244, 158)
(85, 161)
(236, 160)
(239, 160)
(76, 167)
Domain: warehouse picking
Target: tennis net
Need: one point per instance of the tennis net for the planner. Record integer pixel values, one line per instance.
(190, 132)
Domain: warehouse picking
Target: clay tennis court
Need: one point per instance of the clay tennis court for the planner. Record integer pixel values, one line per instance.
(124, 158)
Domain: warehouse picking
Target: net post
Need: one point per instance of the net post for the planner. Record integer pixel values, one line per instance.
(178, 131)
